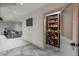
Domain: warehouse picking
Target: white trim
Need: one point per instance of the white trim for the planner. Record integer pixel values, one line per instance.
(53, 13)
(44, 33)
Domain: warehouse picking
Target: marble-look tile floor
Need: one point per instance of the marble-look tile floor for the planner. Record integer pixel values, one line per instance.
(31, 50)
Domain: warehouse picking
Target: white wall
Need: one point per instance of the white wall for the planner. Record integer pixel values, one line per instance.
(68, 22)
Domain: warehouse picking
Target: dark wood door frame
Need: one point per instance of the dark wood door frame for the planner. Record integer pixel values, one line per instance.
(78, 29)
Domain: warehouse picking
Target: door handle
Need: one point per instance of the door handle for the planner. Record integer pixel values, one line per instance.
(73, 44)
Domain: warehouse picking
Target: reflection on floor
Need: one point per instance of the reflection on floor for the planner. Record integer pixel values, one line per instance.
(30, 50)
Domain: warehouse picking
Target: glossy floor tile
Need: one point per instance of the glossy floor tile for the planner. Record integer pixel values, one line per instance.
(31, 50)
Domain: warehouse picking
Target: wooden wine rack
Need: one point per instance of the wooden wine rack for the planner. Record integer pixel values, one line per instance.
(53, 30)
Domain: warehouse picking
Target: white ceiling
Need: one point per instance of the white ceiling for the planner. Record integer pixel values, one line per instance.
(15, 10)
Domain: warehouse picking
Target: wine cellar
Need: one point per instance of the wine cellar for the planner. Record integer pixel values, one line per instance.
(53, 30)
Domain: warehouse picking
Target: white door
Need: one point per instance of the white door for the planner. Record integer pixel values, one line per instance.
(69, 31)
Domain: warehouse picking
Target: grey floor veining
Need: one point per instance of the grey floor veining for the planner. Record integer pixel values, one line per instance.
(30, 50)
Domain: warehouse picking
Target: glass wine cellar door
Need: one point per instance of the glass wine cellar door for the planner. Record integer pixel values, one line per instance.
(53, 30)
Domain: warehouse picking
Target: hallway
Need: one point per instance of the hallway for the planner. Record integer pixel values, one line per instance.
(25, 30)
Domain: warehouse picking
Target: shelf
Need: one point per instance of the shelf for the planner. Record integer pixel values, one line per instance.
(54, 26)
(52, 21)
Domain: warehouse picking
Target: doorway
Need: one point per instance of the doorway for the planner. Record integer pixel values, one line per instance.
(69, 30)
(53, 29)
